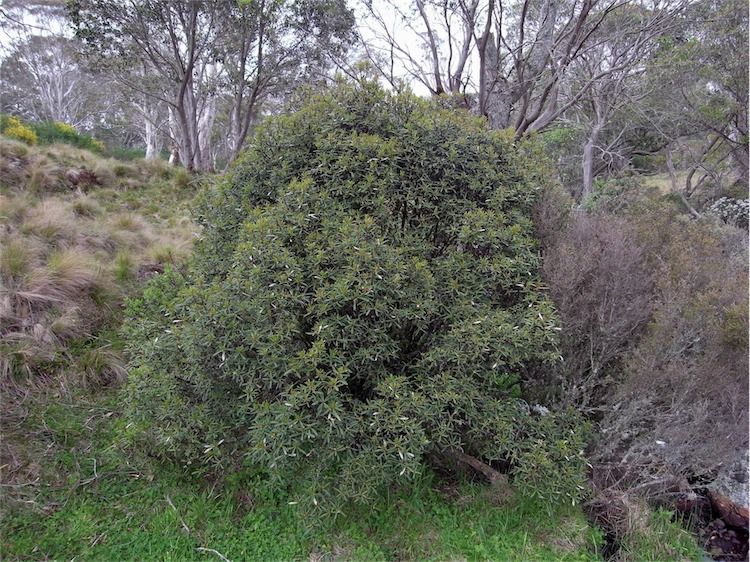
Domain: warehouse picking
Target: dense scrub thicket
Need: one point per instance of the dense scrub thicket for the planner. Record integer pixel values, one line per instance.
(685, 378)
(655, 321)
(366, 294)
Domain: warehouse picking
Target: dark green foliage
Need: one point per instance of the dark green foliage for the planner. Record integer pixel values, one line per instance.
(125, 153)
(365, 293)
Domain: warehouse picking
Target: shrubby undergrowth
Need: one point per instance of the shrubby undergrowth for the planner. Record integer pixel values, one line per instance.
(654, 315)
(731, 211)
(16, 129)
(47, 132)
(366, 295)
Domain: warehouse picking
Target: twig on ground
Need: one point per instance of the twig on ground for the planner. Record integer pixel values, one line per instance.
(182, 521)
(21, 485)
(212, 551)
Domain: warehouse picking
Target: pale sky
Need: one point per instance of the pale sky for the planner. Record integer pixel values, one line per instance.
(399, 17)
(404, 24)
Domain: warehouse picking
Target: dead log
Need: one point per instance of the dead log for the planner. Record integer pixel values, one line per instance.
(732, 514)
(494, 477)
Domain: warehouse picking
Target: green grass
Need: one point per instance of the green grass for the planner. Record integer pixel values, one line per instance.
(659, 539)
(98, 498)
(662, 181)
(422, 524)
(89, 493)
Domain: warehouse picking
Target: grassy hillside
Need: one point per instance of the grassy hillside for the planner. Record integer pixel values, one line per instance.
(78, 235)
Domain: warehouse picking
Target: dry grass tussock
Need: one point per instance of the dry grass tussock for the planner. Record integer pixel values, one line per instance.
(67, 261)
(61, 168)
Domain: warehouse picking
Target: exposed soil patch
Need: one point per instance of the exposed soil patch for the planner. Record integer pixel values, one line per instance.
(723, 542)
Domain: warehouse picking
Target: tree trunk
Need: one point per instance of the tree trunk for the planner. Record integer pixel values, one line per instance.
(174, 156)
(182, 151)
(184, 130)
(240, 128)
(741, 152)
(741, 158)
(544, 41)
(670, 169)
(204, 129)
(151, 136)
(675, 188)
(432, 43)
(235, 135)
(494, 93)
(588, 161)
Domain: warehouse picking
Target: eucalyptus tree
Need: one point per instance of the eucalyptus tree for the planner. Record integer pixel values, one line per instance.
(267, 48)
(684, 101)
(513, 62)
(42, 81)
(608, 77)
(42, 78)
(703, 70)
(191, 56)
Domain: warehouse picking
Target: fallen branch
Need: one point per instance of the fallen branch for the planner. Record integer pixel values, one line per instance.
(182, 521)
(494, 477)
(212, 551)
(21, 485)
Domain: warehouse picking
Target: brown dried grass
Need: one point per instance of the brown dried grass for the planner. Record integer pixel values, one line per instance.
(59, 278)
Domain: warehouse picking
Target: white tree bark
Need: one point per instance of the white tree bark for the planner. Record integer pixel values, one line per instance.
(151, 138)
(206, 117)
(205, 127)
(588, 160)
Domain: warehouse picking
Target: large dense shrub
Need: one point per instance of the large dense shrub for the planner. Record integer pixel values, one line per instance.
(365, 294)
